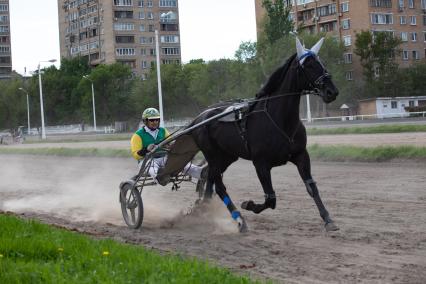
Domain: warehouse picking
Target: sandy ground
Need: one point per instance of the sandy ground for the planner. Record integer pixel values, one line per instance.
(380, 209)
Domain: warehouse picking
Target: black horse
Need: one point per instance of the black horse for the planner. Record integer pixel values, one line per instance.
(269, 133)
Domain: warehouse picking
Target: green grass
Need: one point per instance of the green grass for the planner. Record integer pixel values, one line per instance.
(366, 154)
(317, 152)
(79, 138)
(367, 129)
(31, 252)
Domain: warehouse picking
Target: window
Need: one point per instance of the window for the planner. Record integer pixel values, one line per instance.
(424, 36)
(143, 51)
(152, 51)
(149, 3)
(413, 20)
(144, 64)
(5, 59)
(394, 104)
(140, 3)
(168, 3)
(123, 14)
(344, 7)
(143, 40)
(346, 24)
(4, 7)
(170, 51)
(404, 36)
(141, 15)
(381, 19)
(326, 10)
(347, 57)
(4, 49)
(410, 103)
(405, 55)
(376, 71)
(4, 18)
(151, 28)
(402, 20)
(123, 3)
(423, 3)
(124, 39)
(381, 3)
(349, 75)
(4, 29)
(401, 4)
(169, 39)
(125, 51)
(150, 15)
(347, 41)
(413, 36)
(415, 54)
(142, 28)
(411, 4)
(124, 27)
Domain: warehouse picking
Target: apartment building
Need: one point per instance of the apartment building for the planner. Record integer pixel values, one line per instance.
(123, 31)
(5, 47)
(405, 19)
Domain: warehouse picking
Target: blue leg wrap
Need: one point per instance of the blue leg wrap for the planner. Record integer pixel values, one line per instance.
(226, 200)
(235, 214)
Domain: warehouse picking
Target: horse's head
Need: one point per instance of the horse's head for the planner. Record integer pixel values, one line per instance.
(316, 76)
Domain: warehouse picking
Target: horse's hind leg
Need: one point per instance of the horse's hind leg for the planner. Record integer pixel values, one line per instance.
(303, 163)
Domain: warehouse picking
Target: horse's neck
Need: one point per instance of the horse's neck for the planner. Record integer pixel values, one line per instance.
(285, 112)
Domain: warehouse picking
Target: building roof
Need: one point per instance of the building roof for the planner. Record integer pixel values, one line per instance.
(393, 98)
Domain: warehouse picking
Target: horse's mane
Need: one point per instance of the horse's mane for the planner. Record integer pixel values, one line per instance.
(275, 79)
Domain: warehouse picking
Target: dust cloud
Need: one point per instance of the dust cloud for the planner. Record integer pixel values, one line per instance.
(86, 190)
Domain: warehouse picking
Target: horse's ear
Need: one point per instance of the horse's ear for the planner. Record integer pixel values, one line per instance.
(300, 49)
(316, 48)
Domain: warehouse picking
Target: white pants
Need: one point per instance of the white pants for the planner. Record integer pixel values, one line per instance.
(157, 163)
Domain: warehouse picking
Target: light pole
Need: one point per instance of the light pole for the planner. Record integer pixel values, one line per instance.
(43, 131)
(308, 109)
(28, 109)
(160, 95)
(93, 101)
(164, 17)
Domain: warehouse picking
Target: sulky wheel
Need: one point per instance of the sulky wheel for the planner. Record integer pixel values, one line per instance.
(131, 205)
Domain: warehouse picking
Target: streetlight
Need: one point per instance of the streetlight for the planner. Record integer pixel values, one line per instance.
(28, 109)
(93, 101)
(43, 131)
(160, 95)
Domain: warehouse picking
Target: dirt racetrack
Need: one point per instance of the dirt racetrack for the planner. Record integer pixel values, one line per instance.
(380, 209)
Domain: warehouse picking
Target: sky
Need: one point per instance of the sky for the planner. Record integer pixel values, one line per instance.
(208, 29)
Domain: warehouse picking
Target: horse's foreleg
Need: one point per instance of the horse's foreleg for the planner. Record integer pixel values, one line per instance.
(264, 173)
(236, 215)
(303, 164)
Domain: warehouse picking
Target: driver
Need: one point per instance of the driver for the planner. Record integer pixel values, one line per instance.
(151, 134)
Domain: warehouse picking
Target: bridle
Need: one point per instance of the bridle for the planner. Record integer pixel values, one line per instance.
(315, 84)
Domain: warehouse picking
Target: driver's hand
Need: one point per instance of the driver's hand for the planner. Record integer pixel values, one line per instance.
(151, 147)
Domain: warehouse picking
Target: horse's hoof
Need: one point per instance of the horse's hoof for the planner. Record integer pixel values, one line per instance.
(242, 225)
(248, 205)
(329, 227)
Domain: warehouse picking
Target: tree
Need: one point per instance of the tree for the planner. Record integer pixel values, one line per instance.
(246, 52)
(277, 23)
(378, 52)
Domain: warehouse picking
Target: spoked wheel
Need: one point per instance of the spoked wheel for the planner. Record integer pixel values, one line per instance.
(131, 206)
(201, 188)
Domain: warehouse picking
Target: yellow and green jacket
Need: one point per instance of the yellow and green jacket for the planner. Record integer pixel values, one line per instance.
(141, 139)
